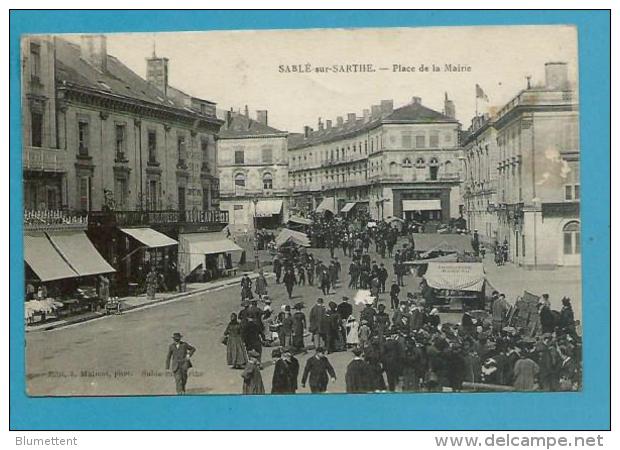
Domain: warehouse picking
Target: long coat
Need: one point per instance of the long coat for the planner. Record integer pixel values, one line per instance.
(283, 381)
(317, 313)
(359, 376)
(252, 379)
(525, 372)
(317, 370)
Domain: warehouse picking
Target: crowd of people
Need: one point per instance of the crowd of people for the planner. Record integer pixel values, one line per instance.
(401, 345)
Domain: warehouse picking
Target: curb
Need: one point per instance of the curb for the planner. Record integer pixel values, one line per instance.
(99, 315)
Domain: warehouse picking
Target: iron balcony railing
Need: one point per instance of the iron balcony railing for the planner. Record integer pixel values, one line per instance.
(158, 217)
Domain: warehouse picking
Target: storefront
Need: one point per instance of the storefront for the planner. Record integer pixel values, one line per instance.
(268, 214)
(422, 210)
(207, 256)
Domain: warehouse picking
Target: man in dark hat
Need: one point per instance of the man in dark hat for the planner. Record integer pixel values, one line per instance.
(282, 381)
(253, 337)
(359, 375)
(178, 361)
(394, 292)
(293, 364)
(345, 310)
(549, 361)
(333, 327)
(318, 370)
(317, 323)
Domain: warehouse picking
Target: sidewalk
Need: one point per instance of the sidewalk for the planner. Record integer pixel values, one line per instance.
(141, 301)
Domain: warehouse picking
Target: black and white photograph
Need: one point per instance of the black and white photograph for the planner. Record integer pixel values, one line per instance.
(316, 211)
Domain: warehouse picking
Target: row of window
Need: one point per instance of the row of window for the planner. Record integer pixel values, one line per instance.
(266, 156)
(240, 182)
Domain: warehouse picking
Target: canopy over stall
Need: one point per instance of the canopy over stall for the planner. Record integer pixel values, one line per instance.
(268, 208)
(455, 276)
(149, 237)
(443, 258)
(290, 236)
(194, 246)
(79, 252)
(421, 205)
(348, 207)
(300, 220)
(44, 259)
(427, 242)
(328, 204)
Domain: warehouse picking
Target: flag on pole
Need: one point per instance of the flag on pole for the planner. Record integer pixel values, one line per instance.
(480, 93)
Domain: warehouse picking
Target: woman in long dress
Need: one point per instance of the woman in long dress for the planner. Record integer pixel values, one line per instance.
(252, 378)
(299, 327)
(236, 356)
(352, 332)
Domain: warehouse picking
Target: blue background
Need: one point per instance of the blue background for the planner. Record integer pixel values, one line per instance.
(589, 409)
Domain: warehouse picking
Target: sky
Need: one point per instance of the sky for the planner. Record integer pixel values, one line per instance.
(238, 68)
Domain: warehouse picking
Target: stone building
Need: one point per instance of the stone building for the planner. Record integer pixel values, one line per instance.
(480, 177)
(402, 162)
(525, 189)
(253, 171)
(104, 146)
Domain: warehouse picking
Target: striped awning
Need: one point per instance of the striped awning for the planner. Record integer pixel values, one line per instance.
(44, 259)
(149, 237)
(328, 204)
(79, 252)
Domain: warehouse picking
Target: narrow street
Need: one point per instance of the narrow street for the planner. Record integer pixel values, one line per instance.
(125, 355)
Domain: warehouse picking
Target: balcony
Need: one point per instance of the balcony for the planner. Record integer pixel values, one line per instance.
(54, 220)
(162, 217)
(44, 159)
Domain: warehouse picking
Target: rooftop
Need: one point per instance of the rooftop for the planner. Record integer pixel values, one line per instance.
(117, 80)
(239, 125)
(413, 112)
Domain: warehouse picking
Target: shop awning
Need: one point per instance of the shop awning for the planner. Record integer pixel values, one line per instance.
(452, 257)
(421, 205)
(268, 208)
(195, 246)
(455, 276)
(149, 237)
(300, 220)
(328, 204)
(79, 252)
(348, 207)
(292, 236)
(44, 259)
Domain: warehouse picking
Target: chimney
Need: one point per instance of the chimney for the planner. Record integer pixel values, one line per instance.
(229, 118)
(387, 106)
(448, 107)
(261, 116)
(320, 124)
(94, 50)
(157, 73)
(416, 100)
(247, 111)
(366, 115)
(328, 124)
(307, 131)
(556, 75)
(375, 111)
(351, 117)
(339, 121)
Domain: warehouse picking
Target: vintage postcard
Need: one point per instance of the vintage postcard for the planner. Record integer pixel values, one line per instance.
(302, 211)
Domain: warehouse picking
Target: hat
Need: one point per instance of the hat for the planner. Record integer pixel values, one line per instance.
(381, 306)
(253, 354)
(288, 349)
(299, 305)
(345, 298)
(319, 300)
(320, 350)
(357, 351)
(177, 335)
(245, 303)
(276, 353)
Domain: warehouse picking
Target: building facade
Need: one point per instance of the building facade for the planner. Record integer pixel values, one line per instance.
(104, 146)
(536, 163)
(480, 177)
(400, 162)
(253, 172)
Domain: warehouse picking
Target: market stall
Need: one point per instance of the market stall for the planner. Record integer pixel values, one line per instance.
(207, 256)
(455, 285)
